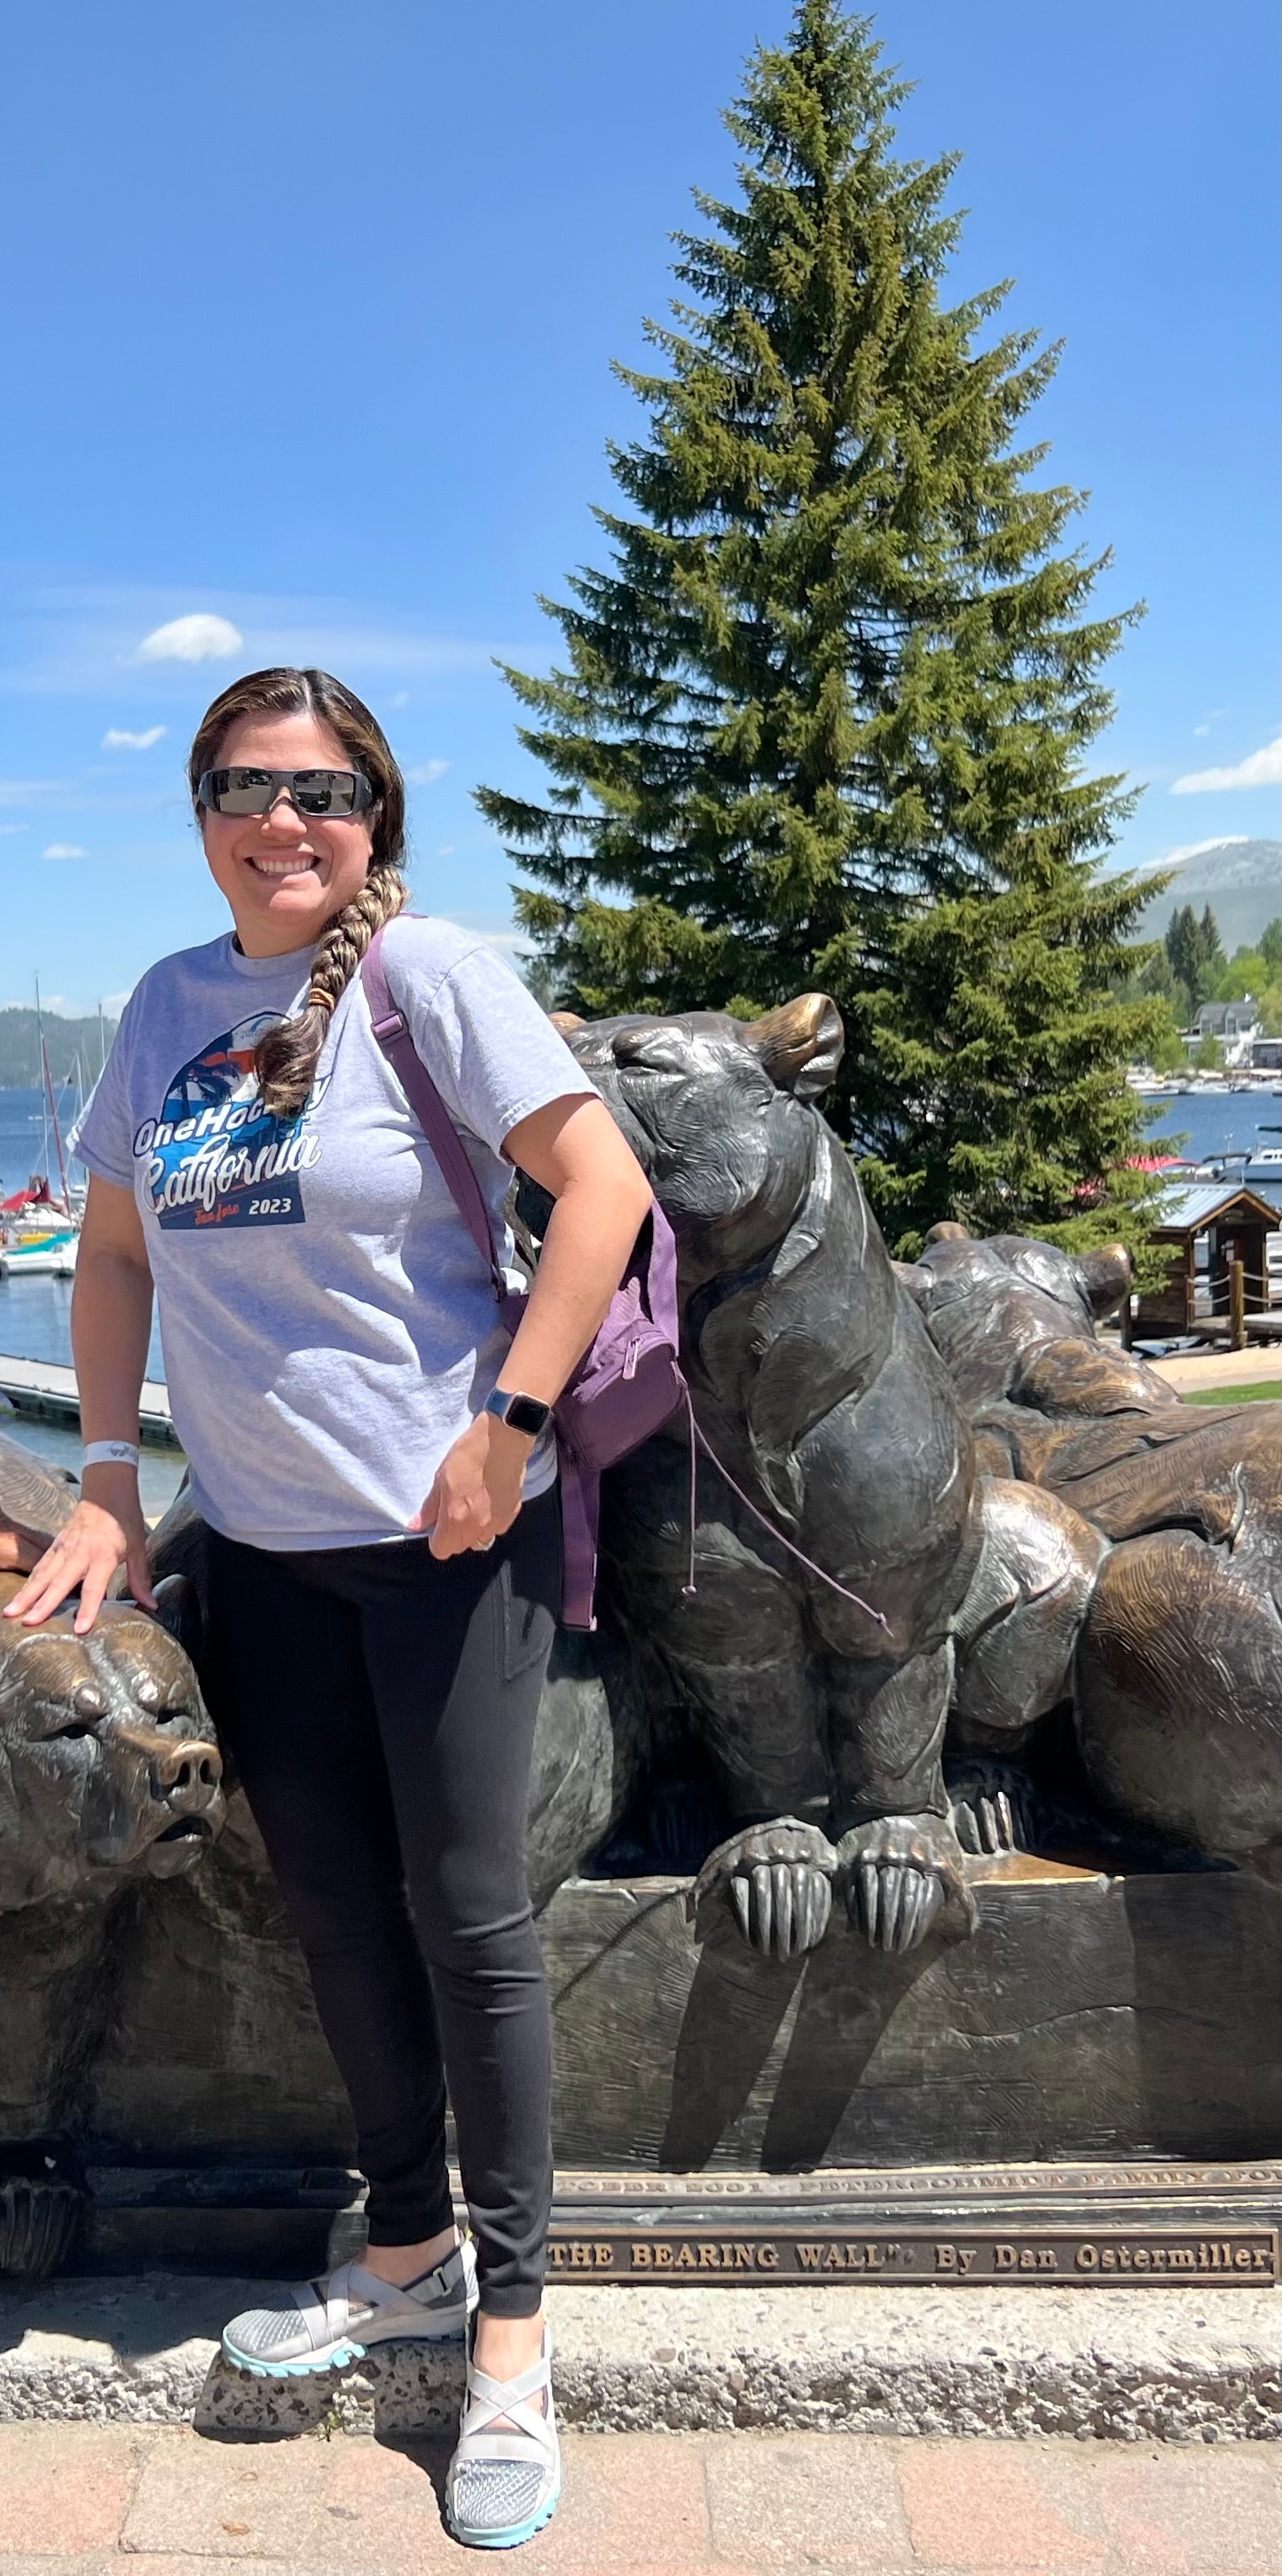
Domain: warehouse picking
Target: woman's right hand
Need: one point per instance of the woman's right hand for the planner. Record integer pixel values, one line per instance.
(105, 1531)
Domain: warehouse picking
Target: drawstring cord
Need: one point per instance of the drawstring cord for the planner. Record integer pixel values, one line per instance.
(698, 1440)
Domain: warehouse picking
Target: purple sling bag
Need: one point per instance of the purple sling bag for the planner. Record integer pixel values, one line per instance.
(628, 1383)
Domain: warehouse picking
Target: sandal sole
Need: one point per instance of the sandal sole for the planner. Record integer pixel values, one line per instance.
(318, 2365)
(513, 2536)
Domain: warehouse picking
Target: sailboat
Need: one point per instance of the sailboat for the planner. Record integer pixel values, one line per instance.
(38, 1232)
(26, 1247)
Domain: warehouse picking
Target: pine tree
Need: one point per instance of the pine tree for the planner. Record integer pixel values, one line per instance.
(1195, 952)
(1213, 958)
(823, 721)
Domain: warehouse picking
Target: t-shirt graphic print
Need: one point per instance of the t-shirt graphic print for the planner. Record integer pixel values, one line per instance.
(328, 1325)
(216, 1156)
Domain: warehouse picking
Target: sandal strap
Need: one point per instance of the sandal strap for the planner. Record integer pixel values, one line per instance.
(488, 2401)
(329, 2318)
(314, 2312)
(365, 2290)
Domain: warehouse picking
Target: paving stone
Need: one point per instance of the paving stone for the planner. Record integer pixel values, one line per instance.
(806, 2499)
(1181, 2512)
(1015, 2506)
(629, 2503)
(1142, 2509)
(97, 2563)
(126, 2563)
(340, 2504)
(735, 2504)
(64, 2488)
(359, 2506)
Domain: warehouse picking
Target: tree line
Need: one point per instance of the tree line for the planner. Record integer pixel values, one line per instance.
(1189, 967)
(75, 1048)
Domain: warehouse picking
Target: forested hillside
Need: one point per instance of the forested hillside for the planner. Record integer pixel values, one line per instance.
(1238, 879)
(65, 1039)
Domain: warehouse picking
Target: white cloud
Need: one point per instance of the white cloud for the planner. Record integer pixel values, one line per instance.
(427, 772)
(28, 791)
(7, 828)
(115, 739)
(1259, 769)
(1200, 729)
(401, 699)
(64, 850)
(191, 639)
(446, 850)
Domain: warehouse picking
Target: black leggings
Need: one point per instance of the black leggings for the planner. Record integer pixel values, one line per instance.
(379, 1706)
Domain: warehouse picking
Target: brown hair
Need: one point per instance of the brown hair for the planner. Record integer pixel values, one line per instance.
(285, 1056)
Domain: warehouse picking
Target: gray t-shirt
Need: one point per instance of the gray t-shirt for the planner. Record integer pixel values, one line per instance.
(328, 1324)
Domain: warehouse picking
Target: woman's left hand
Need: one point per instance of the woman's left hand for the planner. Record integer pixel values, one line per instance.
(476, 1494)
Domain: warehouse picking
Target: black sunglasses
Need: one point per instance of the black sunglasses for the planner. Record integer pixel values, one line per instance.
(313, 791)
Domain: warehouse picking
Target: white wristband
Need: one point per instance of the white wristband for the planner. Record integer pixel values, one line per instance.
(110, 1453)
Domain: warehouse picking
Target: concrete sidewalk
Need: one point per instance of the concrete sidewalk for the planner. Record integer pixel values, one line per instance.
(1132, 2365)
(1201, 1371)
(82, 2499)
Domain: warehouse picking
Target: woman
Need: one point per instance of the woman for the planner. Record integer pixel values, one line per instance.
(376, 1465)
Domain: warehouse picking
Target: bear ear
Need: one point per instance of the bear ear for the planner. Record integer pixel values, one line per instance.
(1105, 1276)
(801, 1044)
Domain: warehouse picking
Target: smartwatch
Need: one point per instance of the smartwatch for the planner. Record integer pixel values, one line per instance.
(524, 1412)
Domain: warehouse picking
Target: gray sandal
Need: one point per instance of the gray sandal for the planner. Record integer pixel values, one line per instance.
(336, 2319)
(502, 2487)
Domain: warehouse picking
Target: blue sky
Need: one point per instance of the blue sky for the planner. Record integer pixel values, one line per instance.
(309, 324)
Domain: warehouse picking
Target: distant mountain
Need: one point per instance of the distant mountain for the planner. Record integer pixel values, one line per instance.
(65, 1039)
(1241, 881)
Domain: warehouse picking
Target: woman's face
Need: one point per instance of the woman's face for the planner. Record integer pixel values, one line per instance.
(285, 874)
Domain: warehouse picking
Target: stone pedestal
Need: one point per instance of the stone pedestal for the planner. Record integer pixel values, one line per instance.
(1090, 2017)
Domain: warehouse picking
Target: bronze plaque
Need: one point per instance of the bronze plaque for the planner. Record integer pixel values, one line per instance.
(717, 2257)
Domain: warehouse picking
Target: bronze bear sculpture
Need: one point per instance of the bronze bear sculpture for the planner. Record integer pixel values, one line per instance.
(1044, 1521)
(816, 1383)
(108, 1765)
(1177, 1672)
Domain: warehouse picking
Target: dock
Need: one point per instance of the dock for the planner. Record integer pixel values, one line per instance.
(43, 1388)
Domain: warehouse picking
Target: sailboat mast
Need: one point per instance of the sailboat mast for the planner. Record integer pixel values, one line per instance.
(48, 1087)
(44, 1105)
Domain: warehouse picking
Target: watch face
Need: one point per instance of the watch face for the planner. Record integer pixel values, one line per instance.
(525, 1413)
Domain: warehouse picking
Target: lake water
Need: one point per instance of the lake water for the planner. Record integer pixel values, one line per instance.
(1222, 1122)
(35, 1313)
(160, 1471)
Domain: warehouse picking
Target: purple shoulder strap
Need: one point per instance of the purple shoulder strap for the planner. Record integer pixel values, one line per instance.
(578, 1490)
(392, 1033)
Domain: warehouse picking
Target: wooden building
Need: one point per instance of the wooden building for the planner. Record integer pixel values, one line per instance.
(1235, 1224)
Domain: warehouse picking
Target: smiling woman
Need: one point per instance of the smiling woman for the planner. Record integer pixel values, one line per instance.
(373, 1451)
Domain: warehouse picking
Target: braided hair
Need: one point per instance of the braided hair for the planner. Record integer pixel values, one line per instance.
(286, 1054)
